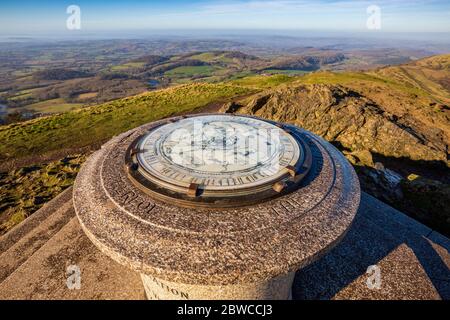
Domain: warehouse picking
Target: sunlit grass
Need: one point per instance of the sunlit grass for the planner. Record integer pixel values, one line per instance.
(263, 82)
(53, 106)
(91, 125)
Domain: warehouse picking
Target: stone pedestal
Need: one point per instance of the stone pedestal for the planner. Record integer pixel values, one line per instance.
(278, 288)
(246, 252)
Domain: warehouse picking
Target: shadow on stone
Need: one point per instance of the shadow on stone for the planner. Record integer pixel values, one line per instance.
(377, 232)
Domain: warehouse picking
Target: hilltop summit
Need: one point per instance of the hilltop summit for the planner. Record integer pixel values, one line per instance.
(393, 124)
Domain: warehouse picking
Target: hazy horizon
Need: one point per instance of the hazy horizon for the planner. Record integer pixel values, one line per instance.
(97, 16)
(434, 43)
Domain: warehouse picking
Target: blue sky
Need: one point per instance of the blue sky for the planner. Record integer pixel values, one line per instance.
(28, 17)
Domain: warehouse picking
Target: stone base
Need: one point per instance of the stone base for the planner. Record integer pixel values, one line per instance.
(241, 246)
(278, 288)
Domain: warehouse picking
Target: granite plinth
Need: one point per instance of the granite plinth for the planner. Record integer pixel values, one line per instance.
(412, 265)
(278, 288)
(244, 247)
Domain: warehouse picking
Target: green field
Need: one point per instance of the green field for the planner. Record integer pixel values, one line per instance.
(127, 66)
(190, 71)
(20, 96)
(23, 94)
(53, 106)
(205, 56)
(25, 190)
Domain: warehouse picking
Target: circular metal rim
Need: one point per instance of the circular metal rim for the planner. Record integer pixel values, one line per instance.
(180, 186)
(193, 198)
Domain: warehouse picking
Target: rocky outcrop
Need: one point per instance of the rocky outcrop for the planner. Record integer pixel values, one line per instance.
(429, 199)
(346, 118)
(366, 132)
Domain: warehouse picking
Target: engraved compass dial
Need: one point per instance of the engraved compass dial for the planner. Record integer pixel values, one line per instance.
(218, 156)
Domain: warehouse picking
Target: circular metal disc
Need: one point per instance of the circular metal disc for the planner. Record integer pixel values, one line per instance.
(217, 159)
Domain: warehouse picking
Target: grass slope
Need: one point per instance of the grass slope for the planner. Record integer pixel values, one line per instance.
(264, 82)
(25, 190)
(358, 78)
(79, 128)
(431, 75)
(53, 106)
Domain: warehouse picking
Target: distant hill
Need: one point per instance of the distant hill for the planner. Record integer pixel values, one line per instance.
(441, 63)
(240, 55)
(308, 62)
(431, 75)
(173, 65)
(150, 60)
(67, 85)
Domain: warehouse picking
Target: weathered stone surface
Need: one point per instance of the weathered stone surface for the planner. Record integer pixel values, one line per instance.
(12, 237)
(215, 247)
(28, 244)
(411, 266)
(278, 288)
(414, 264)
(44, 275)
